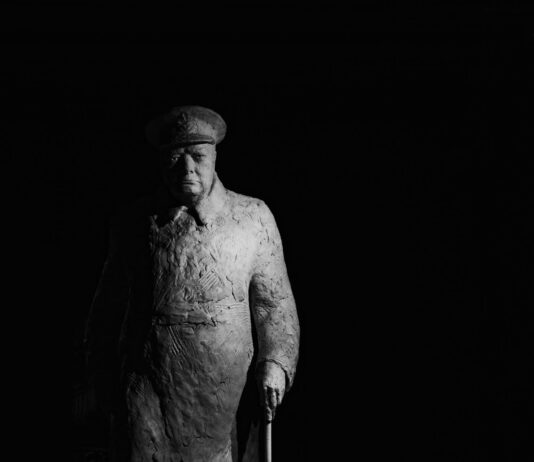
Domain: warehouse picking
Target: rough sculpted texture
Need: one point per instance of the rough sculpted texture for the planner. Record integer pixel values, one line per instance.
(178, 299)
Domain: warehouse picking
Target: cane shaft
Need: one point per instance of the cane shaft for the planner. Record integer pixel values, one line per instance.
(268, 442)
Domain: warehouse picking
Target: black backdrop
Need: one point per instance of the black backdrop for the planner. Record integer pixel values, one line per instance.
(377, 158)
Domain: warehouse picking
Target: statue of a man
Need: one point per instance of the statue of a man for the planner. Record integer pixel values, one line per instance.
(194, 279)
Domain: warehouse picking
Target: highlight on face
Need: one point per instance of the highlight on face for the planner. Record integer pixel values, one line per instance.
(189, 171)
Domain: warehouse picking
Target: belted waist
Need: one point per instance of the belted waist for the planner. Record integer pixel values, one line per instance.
(196, 314)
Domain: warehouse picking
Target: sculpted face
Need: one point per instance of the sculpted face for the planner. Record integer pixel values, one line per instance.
(189, 171)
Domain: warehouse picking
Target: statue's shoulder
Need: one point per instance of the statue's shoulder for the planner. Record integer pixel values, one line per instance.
(236, 200)
(247, 204)
(249, 207)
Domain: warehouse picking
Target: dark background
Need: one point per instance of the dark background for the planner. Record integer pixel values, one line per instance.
(395, 159)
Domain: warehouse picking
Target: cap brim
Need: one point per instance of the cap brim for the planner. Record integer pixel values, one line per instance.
(186, 142)
(155, 129)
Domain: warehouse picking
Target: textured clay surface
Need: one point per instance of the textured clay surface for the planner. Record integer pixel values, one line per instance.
(174, 312)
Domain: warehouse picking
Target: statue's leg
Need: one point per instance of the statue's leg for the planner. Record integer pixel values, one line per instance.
(246, 442)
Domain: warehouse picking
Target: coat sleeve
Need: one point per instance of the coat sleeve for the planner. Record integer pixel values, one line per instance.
(108, 308)
(272, 302)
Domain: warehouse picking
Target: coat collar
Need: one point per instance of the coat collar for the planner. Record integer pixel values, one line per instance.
(205, 211)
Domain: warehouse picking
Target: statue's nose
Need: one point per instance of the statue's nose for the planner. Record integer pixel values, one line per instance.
(189, 165)
(184, 164)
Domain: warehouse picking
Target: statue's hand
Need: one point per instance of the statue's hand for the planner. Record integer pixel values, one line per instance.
(272, 385)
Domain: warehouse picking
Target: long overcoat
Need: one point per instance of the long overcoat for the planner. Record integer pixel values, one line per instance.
(188, 300)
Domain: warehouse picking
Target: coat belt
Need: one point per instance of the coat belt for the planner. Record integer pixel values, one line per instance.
(193, 314)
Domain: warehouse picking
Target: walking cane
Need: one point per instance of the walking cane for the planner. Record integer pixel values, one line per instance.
(268, 441)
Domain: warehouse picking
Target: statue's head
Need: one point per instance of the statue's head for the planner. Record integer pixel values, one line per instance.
(186, 139)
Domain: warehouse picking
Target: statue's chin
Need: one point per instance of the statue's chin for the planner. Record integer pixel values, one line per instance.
(187, 193)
